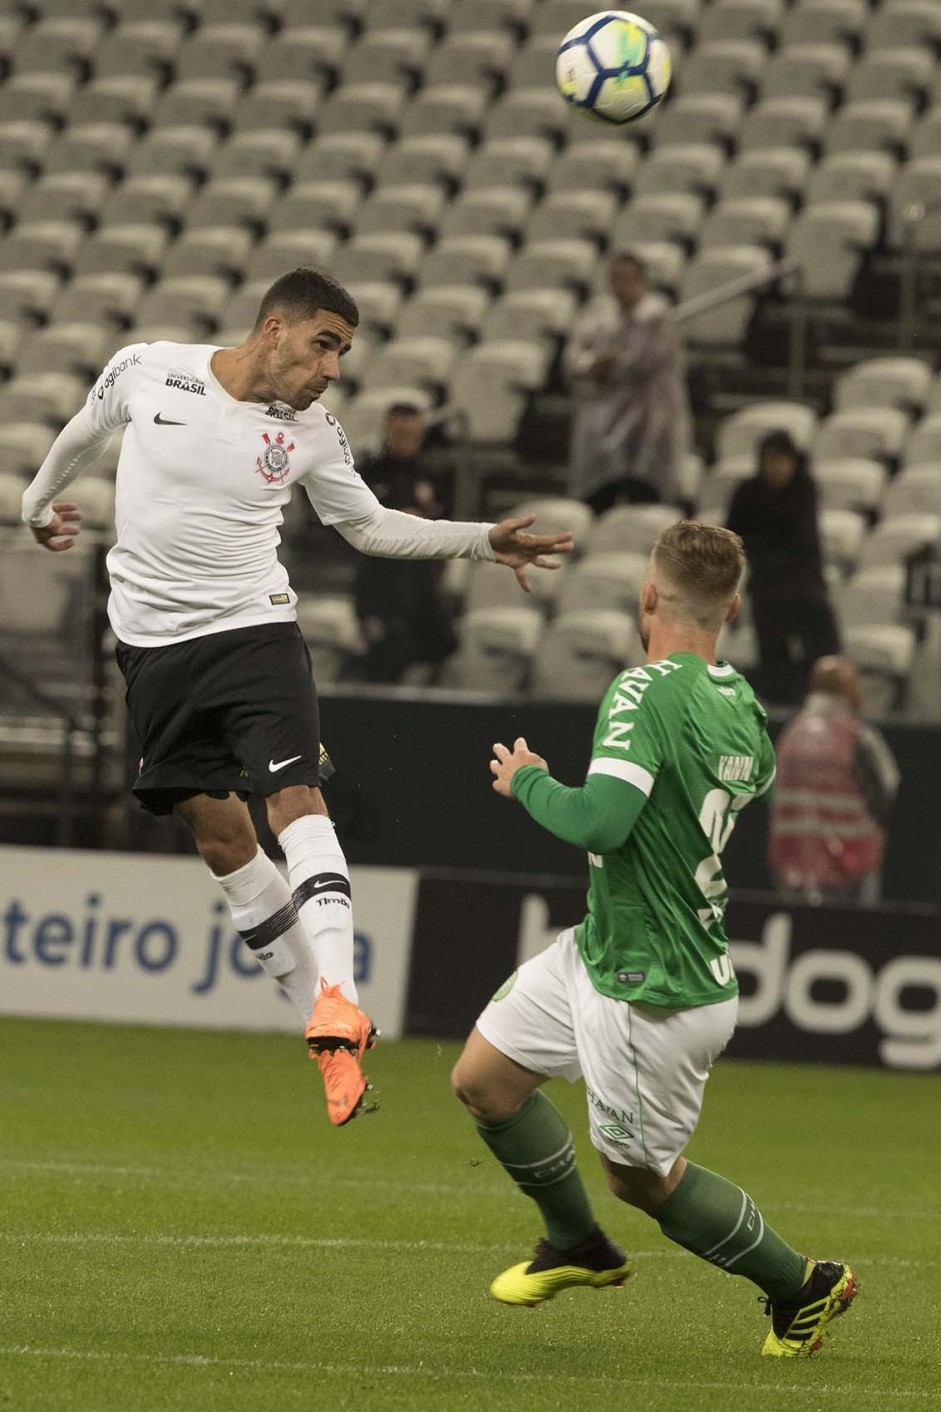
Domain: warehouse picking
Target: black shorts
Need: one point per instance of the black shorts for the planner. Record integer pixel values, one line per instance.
(232, 712)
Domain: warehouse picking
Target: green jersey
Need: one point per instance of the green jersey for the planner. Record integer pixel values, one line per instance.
(693, 740)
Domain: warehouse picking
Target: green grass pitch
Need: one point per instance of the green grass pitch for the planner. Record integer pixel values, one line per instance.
(182, 1231)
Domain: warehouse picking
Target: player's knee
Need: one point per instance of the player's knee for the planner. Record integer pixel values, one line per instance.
(635, 1187)
(471, 1090)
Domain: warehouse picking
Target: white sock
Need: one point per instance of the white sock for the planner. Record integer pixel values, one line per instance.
(320, 883)
(264, 914)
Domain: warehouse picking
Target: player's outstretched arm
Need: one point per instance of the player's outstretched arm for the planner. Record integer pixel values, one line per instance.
(519, 551)
(597, 816)
(61, 531)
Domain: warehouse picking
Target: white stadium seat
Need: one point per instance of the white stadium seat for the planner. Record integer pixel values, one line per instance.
(581, 653)
(739, 434)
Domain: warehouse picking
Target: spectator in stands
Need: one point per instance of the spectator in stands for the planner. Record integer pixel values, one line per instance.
(625, 366)
(404, 617)
(836, 782)
(775, 512)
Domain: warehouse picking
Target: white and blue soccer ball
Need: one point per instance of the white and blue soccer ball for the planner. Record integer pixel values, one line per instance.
(613, 65)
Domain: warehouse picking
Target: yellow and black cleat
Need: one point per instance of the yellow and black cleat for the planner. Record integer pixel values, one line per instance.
(597, 1263)
(798, 1329)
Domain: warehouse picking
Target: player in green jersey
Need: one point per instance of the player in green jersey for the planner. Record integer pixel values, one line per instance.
(641, 998)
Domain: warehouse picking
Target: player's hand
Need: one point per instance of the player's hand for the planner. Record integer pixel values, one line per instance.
(512, 546)
(507, 762)
(62, 529)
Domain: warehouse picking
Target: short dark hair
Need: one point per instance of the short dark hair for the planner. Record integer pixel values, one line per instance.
(404, 409)
(627, 257)
(301, 293)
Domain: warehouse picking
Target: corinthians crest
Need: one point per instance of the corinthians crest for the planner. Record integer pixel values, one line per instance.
(274, 463)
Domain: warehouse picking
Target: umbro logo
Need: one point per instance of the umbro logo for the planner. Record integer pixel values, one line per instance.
(275, 765)
(164, 422)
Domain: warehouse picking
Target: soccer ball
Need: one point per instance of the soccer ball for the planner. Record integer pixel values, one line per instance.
(613, 65)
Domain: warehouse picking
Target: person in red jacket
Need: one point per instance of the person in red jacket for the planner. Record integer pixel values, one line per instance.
(836, 782)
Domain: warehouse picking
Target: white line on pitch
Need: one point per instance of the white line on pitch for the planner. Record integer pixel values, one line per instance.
(419, 1370)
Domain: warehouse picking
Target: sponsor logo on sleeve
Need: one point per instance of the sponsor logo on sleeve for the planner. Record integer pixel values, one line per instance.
(113, 372)
(185, 381)
(341, 437)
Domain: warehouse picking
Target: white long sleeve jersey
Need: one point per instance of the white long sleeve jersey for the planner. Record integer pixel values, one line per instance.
(201, 484)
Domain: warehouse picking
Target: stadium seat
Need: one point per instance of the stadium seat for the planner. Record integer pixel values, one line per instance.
(23, 448)
(434, 158)
(109, 299)
(173, 151)
(725, 325)
(271, 153)
(509, 161)
(65, 196)
(872, 596)
(307, 53)
(700, 117)
(885, 382)
(210, 101)
(124, 249)
(907, 23)
(497, 647)
(11, 493)
(771, 171)
(463, 15)
(556, 514)
(211, 250)
(873, 433)
(362, 107)
(25, 144)
(490, 385)
(573, 215)
(291, 104)
(287, 249)
(489, 211)
(630, 529)
(451, 311)
(687, 166)
(841, 535)
(824, 22)
(884, 654)
(850, 483)
(41, 245)
(544, 264)
(719, 485)
(740, 19)
(740, 433)
(528, 112)
(473, 259)
(554, 18)
(146, 47)
(43, 98)
(379, 257)
(91, 147)
(46, 397)
(533, 63)
(829, 240)
(604, 164)
(784, 122)
(665, 263)
(881, 125)
(330, 629)
(530, 314)
(581, 653)
(315, 205)
(490, 586)
(917, 188)
(387, 56)
(147, 200)
(95, 495)
(924, 444)
(188, 301)
(746, 220)
(409, 207)
(926, 137)
(243, 202)
(477, 57)
(891, 73)
(79, 349)
(852, 176)
(446, 108)
(663, 216)
(364, 415)
(386, 14)
(604, 582)
(422, 360)
(378, 301)
(342, 156)
(725, 66)
(915, 490)
(675, 19)
(220, 51)
(61, 45)
(806, 71)
(896, 537)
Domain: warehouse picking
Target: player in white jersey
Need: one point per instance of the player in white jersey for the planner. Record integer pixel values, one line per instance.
(219, 685)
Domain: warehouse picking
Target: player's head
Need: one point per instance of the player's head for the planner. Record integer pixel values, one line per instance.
(627, 279)
(692, 580)
(305, 324)
(837, 676)
(404, 432)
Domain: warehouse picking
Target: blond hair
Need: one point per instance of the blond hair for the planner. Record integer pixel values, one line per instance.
(703, 564)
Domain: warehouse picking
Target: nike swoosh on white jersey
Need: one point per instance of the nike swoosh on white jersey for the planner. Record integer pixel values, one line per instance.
(274, 766)
(161, 421)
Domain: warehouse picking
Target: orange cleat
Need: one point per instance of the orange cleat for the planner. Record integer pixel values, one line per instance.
(338, 1035)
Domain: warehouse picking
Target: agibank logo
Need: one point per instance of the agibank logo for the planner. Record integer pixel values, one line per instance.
(110, 377)
(274, 463)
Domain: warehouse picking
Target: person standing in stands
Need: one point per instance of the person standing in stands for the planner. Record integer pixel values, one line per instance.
(625, 366)
(775, 514)
(837, 781)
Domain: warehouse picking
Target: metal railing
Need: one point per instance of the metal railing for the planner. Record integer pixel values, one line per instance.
(912, 218)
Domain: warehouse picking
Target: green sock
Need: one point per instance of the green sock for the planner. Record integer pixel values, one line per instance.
(718, 1221)
(535, 1147)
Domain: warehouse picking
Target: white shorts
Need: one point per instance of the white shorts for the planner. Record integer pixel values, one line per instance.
(644, 1067)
